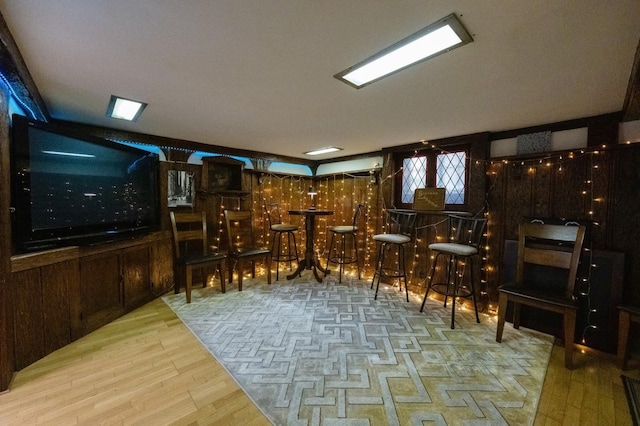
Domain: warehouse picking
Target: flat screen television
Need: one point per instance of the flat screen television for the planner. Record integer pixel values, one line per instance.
(69, 188)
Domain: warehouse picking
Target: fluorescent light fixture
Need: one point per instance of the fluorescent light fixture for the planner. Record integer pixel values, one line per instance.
(124, 109)
(69, 154)
(440, 37)
(323, 150)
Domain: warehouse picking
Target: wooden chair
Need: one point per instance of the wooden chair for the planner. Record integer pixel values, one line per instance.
(278, 231)
(191, 250)
(543, 250)
(242, 245)
(339, 255)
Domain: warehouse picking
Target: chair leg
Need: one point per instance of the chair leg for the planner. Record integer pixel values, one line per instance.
(503, 301)
(569, 336)
(188, 283)
(230, 270)
(624, 320)
(240, 269)
(289, 255)
(516, 315)
(223, 283)
(269, 270)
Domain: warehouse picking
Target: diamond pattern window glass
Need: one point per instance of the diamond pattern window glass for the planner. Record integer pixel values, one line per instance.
(450, 174)
(414, 175)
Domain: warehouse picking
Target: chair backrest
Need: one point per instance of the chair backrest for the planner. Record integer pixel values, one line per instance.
(239, 225)
(189, 227)
(402, 222)
(272, 211)
(466, 230)
(543, 250)
(356, 216)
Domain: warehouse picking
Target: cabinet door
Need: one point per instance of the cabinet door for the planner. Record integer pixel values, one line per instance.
(137, 276)
(57, 279)
(101, 290)
(162, 266)
(27, 317)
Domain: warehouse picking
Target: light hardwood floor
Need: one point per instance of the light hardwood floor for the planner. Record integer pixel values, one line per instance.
(146, 368)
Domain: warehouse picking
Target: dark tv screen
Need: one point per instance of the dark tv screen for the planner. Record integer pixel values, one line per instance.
(73, 189)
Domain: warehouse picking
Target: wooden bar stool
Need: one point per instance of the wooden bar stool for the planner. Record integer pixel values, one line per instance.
(339, 255)
(278, 230)
(628, 314)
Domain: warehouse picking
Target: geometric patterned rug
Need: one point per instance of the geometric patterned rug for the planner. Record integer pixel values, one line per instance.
(310, 353)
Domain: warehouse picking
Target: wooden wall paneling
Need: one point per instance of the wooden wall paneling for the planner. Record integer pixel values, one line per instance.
(497, 175)
(569, 200)
(28, 318)
(599, 202)
(101, 290)
(542, 192)
(519, 195)
(7, 352)
(56, 280)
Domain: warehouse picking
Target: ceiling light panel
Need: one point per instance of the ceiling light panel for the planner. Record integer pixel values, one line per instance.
(442, 36)
(125, 109)
(323, 150)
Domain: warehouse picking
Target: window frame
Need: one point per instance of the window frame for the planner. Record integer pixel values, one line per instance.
(432, 155)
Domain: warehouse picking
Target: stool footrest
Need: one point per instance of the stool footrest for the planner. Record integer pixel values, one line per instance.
(448, 290)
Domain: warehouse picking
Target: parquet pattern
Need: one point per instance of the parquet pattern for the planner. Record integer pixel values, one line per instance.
(312, 353)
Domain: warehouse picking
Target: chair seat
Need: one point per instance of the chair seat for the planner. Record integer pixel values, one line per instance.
(200, 259)
(538, 296)
(454, 248)
(251, 252)
(283, 227)
(344, 229)
(392, 238)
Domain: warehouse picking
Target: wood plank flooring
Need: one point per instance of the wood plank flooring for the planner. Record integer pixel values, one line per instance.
(147, 368)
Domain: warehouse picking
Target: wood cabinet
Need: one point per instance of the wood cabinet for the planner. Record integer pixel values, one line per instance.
(64, 294)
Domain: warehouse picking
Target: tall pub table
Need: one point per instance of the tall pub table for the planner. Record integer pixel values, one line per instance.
(309, 261)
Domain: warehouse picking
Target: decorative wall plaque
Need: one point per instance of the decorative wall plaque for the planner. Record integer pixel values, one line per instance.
(428, 199)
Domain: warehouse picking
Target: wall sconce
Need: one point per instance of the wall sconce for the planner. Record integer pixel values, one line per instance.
(373, 177)
(312, 193)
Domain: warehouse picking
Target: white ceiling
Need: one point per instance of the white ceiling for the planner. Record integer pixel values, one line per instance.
(258, 74)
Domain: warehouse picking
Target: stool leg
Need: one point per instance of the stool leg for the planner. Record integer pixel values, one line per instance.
(355, 245)
(326, 269)
(275, 251)
(431, 274)
(456, 285)
(473, 290)
(381, 265)
(375, 270)
(341, 258)
(289, 251)
(404, 270)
